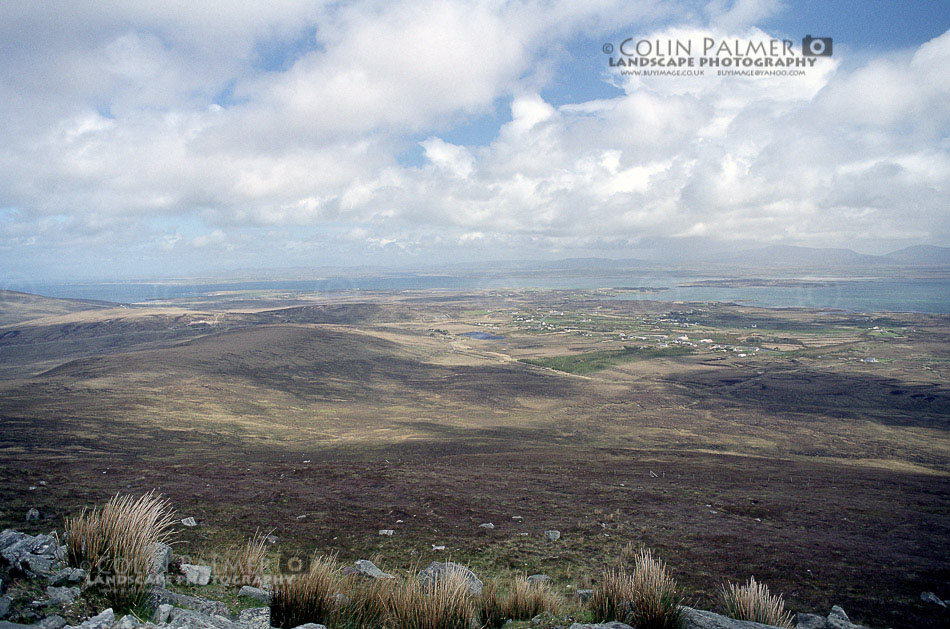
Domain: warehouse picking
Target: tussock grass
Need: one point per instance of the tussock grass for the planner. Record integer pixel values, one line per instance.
(610, 597)
(323, 595)
(446, 603)
(521, 601)
(308, 597)
(753, 601)
(245, 564)
(644, 596)
(656, 603)
(115, 544)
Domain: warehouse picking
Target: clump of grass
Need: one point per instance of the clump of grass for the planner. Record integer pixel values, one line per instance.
(246, 564)
(655, 603)
(644, 596)
(309, 597)
(610, 598)
(753, 601)
(491, 605)
(523, 600)
(446, 603)
(115, 545)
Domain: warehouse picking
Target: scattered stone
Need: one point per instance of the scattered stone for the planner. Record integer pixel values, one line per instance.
(699, 619)
(189, 521)
(33, 515)
(12, 625)
(161, 614)
(103, 621)
(387, 532)
(366, 568)
(195, 574)
(810, 621)
(34, 556)
(161, 557)
(160, 596)
(5, 603)
(61, 595)
(653, 474)
(584, 595)
(128, 622)
(603, 625)
(271, 539)
(438, 548)
(192, 619)
(487, 525)
(310, 625)
(256, 593)
(255, 618)
(930, 597)
(517, 517)
(838, 619)
(552, 535)
(52, 622)
(437, 571)
(538, 579)
(68, 575)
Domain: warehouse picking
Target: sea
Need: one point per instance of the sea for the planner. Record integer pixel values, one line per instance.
(925, 295)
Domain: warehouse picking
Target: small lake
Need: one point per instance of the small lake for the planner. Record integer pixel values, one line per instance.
(482, 336)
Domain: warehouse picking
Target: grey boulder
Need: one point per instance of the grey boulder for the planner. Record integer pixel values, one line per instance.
(538, 579)
(103, 621)
(930, 597)
(195, 574)
(61, 596)
(438, 571)
(699, 619)
(255, 618)
(366, 568)
(552, 535)
(614, 624)
(255, 593)
(51, 622)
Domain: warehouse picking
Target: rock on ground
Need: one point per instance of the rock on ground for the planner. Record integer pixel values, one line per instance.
(255, 618)
(310, 625)
(603, 625)
(255, 593)
(538, 579)
(699, 619)
(437, 571)
(51, 622)
(838, 619)
(552, 535)
(161, 596)
(103, 621)
(189, 522)
(61, 595)
(930, 597)
(366, 568)
(195, 574)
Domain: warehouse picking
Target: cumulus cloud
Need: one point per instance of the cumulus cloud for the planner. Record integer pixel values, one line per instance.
(285, 129)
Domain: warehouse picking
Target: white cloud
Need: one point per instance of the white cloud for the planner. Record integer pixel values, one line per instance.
(117, 118)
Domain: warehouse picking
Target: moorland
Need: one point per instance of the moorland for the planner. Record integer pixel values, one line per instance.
(808, 448)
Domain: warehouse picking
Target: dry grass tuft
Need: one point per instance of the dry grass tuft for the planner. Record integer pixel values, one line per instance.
(115, 545)
(611, 596)
(246, 564)
(521, 601)
(446, 603)
(309, 597)
(656, 604)
(753, 601)
(644, 597)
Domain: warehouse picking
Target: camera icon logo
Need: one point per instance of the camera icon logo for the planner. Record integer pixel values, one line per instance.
(816, 46)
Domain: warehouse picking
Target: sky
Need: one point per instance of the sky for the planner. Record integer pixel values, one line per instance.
(154, 139)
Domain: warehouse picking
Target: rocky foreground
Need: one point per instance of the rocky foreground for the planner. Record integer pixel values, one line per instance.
(39, 590)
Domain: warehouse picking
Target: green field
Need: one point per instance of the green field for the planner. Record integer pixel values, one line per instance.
(591, 362)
